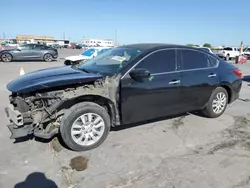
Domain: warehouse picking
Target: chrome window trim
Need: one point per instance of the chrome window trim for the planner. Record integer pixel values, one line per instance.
(206, 68)
(146, 57)
(177, 71)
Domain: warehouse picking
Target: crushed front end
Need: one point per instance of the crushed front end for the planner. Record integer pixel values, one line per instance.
(34, 114)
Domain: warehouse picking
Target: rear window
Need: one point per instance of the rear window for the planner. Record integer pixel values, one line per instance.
(213, 61)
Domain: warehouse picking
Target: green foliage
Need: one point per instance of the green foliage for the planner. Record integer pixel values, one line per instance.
(207, 45)
(192, 45)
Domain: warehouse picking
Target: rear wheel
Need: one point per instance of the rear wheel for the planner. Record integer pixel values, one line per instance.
(48, 57)
(85, 126)
(227, 57)
(6, 57)
(217, 103)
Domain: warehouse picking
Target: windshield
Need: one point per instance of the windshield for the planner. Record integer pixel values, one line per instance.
(88, 52)
(110, 61)
(247, 50)
(103, 50)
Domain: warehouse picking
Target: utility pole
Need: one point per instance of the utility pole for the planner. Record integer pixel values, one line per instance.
(63, 35)
(3, 35)
(116, 34)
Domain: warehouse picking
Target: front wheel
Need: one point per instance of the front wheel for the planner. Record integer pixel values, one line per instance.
(48, 57)
(68, 62)
(217, 103)
(85, 126)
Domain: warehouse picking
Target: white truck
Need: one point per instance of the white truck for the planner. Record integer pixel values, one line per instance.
(228, 53)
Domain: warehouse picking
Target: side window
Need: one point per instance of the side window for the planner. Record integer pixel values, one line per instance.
(25, 47)
(213, 61)
(192, 59)
(39, 47)
(159, 62)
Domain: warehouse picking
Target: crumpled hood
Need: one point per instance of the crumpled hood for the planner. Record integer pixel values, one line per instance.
(77, 58)
(49, 78)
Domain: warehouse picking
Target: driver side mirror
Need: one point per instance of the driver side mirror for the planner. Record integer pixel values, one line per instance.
(138, 74)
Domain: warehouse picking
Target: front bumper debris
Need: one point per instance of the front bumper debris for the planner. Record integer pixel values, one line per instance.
(18, 132)
(14, 116)
(21, 124)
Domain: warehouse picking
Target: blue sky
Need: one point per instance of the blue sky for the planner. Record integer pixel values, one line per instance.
(218, 22)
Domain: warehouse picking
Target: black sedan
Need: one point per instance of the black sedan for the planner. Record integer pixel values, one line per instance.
(124, 85)
(29, 52)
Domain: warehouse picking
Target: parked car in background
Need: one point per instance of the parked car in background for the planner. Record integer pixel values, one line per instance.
(56, 46)
(11, 45)
(246, 52)
(65, 46)
(89, 53)
(124, 85)
(71, 46)
(29, 52)
(228, 53)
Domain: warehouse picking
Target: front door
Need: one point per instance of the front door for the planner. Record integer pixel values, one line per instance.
(153, 97)
(23, 52)
(199, 74)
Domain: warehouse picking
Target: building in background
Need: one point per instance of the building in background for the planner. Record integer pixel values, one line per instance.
(98, 42)
(40, 39)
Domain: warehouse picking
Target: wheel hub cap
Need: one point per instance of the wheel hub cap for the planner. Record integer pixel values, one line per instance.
(219, 103)
(87, 129)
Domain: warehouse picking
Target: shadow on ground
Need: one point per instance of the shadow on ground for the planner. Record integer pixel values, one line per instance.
(57, 143)
(36, 180)
(141, 123)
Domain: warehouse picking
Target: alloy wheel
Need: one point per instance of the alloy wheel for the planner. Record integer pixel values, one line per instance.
(87, 129)
(6, 58)
(48, 57)
(219, 103)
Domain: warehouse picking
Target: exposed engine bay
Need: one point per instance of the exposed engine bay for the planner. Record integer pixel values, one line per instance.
(40, 113)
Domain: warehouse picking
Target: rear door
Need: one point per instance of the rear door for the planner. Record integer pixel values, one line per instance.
(154, 97)
(37, 51)
(199, 75)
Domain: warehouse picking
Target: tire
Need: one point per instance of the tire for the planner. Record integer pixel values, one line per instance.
(227, 57)
(6, 57)
(48, 57)
(68, 125)
(68, 62)
(208, 111)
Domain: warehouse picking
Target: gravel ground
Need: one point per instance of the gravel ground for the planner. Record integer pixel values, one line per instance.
(183, 152)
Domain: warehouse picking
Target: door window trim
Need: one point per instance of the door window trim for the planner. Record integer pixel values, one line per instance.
(206, 68)
(160, 73)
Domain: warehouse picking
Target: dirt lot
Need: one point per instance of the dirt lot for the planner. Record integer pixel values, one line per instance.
(183, 152)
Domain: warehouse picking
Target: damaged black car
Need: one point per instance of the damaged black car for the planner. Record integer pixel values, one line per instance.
(124, 85)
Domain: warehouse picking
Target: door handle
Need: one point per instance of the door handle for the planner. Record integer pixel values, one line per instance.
(211, 75)
(175, 82)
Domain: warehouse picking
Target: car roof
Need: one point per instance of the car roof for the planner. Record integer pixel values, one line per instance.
(156, 46)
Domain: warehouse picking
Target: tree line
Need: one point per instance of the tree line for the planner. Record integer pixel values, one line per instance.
(204, 45)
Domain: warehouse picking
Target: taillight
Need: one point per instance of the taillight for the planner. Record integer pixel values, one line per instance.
(238, 73)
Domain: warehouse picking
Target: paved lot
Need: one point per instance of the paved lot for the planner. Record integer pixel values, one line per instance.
(183, 152)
